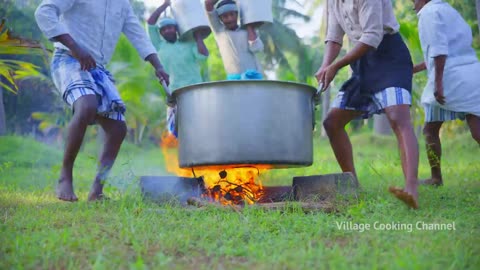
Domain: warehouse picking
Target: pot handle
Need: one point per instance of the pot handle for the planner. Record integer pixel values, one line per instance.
(316, 99)
(166, 88)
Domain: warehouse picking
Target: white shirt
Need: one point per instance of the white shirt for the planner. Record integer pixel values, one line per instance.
(364, 21)
(95, 25)
(238, 53)
(443, 31)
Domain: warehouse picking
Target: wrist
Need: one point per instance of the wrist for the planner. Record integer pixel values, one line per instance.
(336, 65)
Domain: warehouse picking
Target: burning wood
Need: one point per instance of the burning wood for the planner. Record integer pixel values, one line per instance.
(237, 186)
(229, 185)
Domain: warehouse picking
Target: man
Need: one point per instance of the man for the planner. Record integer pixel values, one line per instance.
(85, 34)
(381, 82)
(237, 46)
(453, 88)
(182, 59)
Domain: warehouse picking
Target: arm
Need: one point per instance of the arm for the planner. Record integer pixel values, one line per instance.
(137, 36)
(420, 67)
(152, 20)
(47, 16)
(436, 42)
(84, 58)
(201, 47)
(159, 71)
(255, 44)
(370, 14)
(212, 16)
(210, 5)
(252, 34)
(333, 44)
(353, 55)
(439, 68)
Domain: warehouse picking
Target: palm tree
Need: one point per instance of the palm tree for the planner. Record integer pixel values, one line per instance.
(281, 40)
(12, 69)
(478, 14)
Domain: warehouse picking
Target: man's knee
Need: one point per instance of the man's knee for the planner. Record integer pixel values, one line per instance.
(476, 136)
(122, 130)
(116, 130)
(85, 109)
(428, 131)
(329, 124)
(431, 131)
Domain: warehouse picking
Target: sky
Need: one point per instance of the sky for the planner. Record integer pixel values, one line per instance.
(304, 30)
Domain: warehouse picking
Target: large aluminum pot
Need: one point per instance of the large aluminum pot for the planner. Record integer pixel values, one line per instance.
(254, 11)
(190, 17)
(245, 122)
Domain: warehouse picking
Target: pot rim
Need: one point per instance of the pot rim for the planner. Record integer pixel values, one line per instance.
(180, 90)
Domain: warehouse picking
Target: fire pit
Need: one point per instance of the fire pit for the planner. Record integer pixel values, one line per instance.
(313, 192)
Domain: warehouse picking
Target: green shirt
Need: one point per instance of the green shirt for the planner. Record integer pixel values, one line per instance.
(181, 59)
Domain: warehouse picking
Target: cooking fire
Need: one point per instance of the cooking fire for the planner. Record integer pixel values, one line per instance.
(239, 184)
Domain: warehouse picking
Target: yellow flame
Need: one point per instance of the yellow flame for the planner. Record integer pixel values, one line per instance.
(232, 184)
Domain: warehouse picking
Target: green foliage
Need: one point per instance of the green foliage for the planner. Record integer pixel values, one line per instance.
(12, 69)
(215, 70)
(140, 90)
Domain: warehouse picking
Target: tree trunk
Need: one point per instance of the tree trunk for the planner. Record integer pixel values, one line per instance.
(478, 14)
(3, 122)
(381, 126)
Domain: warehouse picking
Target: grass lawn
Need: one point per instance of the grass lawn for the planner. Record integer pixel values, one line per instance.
(39, 232)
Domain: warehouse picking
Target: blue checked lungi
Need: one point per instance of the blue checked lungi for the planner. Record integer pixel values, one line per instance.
(73, 83)
(378, 102)
(171, 115)
(437, 114)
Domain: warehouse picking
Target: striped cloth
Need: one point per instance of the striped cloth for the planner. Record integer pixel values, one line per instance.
(378, 102)
(73, 83)
(171, 119)
(437, 114)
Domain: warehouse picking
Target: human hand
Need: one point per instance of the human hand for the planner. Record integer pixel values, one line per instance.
(325, 76)
(419, 67)
(86, 60)
(162, 76)
(167, 2)
(438, 94)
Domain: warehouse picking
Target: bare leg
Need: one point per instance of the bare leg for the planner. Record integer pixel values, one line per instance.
(399, 117)
(473, 122)
(431, 131)
(114, 132)
(85, 110)
(334, 125)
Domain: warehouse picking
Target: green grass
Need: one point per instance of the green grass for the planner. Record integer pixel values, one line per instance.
(38, 231)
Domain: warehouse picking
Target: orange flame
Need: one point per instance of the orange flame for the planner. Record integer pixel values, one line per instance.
(236, 184)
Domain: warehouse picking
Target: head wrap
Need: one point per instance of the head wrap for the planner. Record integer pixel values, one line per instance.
(166, 21)
(226, 8)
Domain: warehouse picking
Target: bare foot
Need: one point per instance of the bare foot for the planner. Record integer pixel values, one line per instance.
(65, 191)
(409, 199)
(431, 182)
(97, 198)
(96, 192)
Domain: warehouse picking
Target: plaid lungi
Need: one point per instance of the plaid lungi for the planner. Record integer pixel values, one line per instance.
(378, 102)
(73, 83)
(437, 114)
